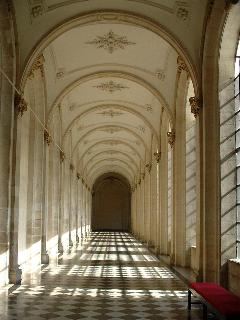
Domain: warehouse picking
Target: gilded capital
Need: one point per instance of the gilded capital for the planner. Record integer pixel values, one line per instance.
(37, 65)
(157, 156)
(62, 156)
(47, 137)
(20, 104)
(195, 104)
(181, 65)
(171, 138)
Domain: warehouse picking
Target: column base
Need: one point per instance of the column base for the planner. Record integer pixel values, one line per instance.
(44, 258)
(157, 251)
(15, 275)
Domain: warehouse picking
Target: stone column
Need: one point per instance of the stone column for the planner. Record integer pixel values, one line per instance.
(163, 188)
(179, 174)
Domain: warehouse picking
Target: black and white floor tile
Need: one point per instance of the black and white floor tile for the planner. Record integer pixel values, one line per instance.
(114, 277)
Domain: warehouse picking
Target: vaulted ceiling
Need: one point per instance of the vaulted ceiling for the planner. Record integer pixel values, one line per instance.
(112, 72)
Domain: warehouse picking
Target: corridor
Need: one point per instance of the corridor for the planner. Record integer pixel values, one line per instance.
(110, 276)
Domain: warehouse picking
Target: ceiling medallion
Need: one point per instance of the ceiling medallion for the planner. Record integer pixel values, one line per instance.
(111, 113)
(160, 74)
(111, 86)
(111, 42)
(149, 108)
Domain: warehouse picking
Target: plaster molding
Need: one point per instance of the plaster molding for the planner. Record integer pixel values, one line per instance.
(111, 106)
(37, 65)
(111, 42)
(119, 17)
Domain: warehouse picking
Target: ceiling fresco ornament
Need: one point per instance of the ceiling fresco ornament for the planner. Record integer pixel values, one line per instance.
(171, 138)
(37, 65)
(111, 152)
(111, 113)
(141, 128)
(160, 74)
(182, 10)
(148, 108)
(36, 7)
(111, 86)
(181, 65)
(111, 42)
(195, 104)
(20, 104)
(111, 130)
(111, 143)
(47, 137)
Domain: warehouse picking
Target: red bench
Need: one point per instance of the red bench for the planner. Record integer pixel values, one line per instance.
(214, 298)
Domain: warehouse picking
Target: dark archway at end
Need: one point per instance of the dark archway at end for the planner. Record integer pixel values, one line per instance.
(111, 205)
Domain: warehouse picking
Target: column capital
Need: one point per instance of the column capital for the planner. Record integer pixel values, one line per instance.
(149, 166)
(157, 156)
(171, 138)
(196, 105)
(20, 104)
(37, 65)
(47, 137)
(181, 65)
(62, 156)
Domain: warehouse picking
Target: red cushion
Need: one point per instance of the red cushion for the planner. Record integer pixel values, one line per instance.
(224, 301)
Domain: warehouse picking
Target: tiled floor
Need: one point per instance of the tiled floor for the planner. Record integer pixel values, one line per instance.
(115, 277)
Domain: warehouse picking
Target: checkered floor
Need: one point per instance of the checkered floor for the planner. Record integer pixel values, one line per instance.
(114, 277)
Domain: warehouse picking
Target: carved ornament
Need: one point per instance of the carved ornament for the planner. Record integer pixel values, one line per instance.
(171, 138)
(195, 104)
(111, 42)
(111, 86)
(149, 167)
(47, 137)
(157, 156)
(37, 65)
(111, 113)
(71, 167)
(62, 156)
(78, 176)
(143, 175)
(20, 104)
(181, 66)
